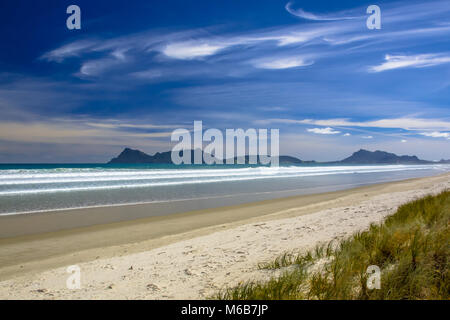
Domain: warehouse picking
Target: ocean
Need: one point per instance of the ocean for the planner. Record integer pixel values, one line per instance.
(33, 188)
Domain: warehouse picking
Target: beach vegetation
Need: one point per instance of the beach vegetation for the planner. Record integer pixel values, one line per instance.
(411, 248)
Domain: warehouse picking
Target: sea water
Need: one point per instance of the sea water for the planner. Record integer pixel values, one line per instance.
(31, 188)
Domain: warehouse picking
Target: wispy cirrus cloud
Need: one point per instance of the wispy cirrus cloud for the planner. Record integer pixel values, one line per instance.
(326, 130)
(132, 54)
(73, 49)
(412, 61)
(96, 67)
(282, 63)
(118, 125)
(415, 124)
(191, 50)
(311, 16)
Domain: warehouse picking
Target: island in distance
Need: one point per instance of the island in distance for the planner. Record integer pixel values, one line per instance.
(131, 156)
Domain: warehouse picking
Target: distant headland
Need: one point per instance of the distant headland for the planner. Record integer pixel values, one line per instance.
(132, 156)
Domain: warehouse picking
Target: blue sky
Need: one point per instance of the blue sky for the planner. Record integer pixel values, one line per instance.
(139, 69)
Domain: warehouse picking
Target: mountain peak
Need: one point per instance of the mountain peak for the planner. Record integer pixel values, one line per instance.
(363, 156)
(129, 155)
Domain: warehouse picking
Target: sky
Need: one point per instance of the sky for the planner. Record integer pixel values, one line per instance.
(137, 70)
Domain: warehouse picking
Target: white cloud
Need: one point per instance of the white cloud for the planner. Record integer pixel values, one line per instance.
(403, 141)
(191, 50)
(394, 123)
(311, 16)
(298, 37)
(436, 134)
(96, 67)
(347, 134)
(69, 50)
(327, 130)
(414, 61)
(367, 137)
(283, 63)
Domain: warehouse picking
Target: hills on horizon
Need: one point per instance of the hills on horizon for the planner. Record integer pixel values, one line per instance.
(136, 156)
(362, 156)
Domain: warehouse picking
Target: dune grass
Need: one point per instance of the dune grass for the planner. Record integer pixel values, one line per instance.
(411, 248)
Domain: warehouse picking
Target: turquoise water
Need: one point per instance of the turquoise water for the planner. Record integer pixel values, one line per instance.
(26, 188)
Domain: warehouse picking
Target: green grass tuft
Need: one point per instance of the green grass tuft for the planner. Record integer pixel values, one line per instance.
(411, 247)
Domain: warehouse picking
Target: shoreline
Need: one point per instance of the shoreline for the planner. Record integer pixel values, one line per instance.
(59, 202)
(35, 253)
